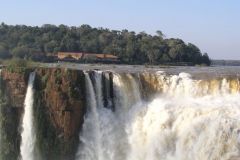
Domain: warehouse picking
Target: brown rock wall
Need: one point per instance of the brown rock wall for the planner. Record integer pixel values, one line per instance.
(63, 94)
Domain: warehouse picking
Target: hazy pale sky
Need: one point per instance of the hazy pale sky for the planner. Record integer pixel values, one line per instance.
(213, 25)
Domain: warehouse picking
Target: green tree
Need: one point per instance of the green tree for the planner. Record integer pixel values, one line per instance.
(20, 52)
(28, 42)
(51, 46)
(4, 53)
(205, 59)
(160, 34)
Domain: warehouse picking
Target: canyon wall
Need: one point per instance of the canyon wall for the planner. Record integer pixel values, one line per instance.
(59, 107)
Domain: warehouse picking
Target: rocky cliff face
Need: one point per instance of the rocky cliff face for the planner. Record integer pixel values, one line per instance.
(59, 107)
(62, 92)
(15, 85)
(12, 93)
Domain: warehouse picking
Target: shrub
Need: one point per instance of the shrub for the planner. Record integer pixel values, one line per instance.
(17, 65)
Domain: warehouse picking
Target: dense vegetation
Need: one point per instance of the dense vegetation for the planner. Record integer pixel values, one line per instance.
(37, 42)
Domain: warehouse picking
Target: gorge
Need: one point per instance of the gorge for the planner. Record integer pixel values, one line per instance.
(119, 113)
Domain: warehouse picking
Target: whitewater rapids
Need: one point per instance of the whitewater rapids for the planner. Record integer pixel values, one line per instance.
(188, 120)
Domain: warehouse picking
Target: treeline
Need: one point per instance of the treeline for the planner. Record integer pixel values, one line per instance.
(37, 42)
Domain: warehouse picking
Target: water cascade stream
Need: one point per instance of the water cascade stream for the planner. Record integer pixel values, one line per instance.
(186, 119)
(28, 133)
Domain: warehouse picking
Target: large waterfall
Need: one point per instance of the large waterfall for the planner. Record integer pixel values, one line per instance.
(185, 119)
(120, 115)
(28, 133)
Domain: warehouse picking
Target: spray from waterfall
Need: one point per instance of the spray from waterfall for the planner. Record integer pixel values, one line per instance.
(187, 119)
(28, 133)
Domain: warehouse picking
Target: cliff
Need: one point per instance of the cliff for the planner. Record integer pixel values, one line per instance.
(59, 108)
(12, 93)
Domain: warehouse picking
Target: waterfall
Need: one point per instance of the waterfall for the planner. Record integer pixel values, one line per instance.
(28, 133)
(126, 91)
(189, 119)
(102, 125)
(186, 119)
(91, 150)
(98, 88)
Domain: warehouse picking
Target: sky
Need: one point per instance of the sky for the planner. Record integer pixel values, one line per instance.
(212, 25)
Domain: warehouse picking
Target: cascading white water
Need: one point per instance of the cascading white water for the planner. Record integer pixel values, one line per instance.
(126, 90)
(188, 120)
(91, 125)
(98, 88)
(185, 129)
(28, 133)
(101, 125)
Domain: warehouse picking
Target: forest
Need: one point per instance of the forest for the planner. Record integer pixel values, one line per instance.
(37, 43)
